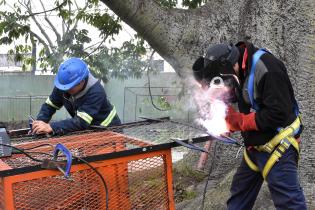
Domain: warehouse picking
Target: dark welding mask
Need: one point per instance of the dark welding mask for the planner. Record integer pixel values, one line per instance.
(218, 63)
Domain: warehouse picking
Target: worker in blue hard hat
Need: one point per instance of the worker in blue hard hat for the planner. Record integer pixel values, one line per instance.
(82, 95)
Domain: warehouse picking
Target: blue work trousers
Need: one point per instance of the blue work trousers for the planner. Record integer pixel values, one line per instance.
(283, 182)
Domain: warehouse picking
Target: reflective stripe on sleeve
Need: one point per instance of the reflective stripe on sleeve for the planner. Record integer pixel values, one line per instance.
(109, 118)
(50, 103)
(85, 116)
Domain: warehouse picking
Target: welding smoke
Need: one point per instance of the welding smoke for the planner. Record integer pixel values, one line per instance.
(211, 105)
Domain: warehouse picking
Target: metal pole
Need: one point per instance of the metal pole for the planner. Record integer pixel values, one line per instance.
(30, 105)
(136, 107)
(124, 105)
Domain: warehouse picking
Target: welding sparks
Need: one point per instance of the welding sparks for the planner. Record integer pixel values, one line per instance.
(211, 107)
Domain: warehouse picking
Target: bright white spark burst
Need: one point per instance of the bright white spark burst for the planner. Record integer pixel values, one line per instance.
(211, 109)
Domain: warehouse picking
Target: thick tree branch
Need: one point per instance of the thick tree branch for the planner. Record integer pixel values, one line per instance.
(179, 35)
(42, 41)
(50, 10)
(93, 51)
(50, 24)
(154, 23)
(47, 51)
(29, 10)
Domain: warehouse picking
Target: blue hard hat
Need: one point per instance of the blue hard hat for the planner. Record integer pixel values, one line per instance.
(70, 73)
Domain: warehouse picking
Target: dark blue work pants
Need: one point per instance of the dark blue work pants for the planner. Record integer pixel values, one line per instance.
(282, 182)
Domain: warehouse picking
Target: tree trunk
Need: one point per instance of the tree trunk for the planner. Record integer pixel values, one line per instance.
(286, 27)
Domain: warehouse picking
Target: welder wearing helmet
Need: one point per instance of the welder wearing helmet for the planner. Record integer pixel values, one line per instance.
(82, 95)
(268, 119)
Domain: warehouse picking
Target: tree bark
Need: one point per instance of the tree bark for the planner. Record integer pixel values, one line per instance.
(286, 27)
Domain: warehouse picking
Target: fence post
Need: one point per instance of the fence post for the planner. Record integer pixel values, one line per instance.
(30, 105)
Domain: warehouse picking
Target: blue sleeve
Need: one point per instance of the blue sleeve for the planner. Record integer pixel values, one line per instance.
(84, 116)
(52, 103)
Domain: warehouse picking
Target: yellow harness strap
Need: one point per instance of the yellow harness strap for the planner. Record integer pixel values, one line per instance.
(281, 142)
(249, 162)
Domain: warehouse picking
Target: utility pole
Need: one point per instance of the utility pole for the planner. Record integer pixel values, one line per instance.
(34, 49)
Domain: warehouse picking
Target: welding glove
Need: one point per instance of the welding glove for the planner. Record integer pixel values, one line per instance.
(237, 121)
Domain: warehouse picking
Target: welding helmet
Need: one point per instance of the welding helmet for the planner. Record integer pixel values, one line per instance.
(223, 53)
(70, 73)
(217, 63)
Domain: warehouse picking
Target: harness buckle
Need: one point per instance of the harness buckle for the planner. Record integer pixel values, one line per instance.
(285, 142)
(267, 148)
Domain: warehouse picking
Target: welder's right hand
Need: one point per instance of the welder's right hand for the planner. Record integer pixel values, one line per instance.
(40, 127)
(236, 121)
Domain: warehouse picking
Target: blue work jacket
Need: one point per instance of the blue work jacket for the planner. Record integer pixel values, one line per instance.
(89, 107)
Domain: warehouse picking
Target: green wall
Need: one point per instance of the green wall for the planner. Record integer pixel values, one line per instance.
(130, 97)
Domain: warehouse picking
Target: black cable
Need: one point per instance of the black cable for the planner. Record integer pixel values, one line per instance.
(42, 145)
(149, 83)
(81, 159)
(99, 174)
(209, 175)
(23, 152)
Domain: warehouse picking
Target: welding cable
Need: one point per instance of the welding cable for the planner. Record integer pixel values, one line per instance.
(23, 152)
(88, 164)
(99, 174)
(209, 175)
(38, 146)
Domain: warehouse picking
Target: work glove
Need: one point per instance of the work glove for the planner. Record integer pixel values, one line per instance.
(237, 121)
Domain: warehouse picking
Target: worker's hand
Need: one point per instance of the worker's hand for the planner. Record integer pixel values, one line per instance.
(237, 121)
(40, 127)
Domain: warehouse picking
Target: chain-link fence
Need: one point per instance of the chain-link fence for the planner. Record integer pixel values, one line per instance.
(19, 108)
(156, 102)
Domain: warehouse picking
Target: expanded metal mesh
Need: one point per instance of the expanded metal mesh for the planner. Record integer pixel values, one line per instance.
(55, 192)
(153, 131)
(134, 182)
(82, 145)
(163, 132)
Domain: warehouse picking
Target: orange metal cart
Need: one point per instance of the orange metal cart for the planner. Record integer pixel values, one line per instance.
(141, 180)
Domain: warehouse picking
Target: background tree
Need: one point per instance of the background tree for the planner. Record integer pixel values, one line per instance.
(60, 31)
(286, 28)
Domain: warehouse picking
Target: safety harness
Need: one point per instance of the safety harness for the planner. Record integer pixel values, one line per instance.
(278, 145)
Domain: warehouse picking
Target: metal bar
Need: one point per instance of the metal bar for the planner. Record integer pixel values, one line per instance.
(30, 105)
(124, 104)
(169, 180)
(136, 108)
(24, 131)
